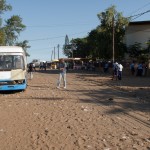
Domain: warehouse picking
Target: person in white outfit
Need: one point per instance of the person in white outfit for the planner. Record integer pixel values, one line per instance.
(120, 68)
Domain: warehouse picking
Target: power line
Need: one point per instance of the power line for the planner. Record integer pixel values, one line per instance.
(49, 38)
(140, 8)
(138, 15)
(58, 25)
(47, 48)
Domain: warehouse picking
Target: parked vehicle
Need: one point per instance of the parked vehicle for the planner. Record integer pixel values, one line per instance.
(54, 64)
(36, 62)
(13, 68)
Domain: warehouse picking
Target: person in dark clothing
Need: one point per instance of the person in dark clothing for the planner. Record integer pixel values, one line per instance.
(132, 68)
(106, 65)
(139, 69)
(30, 70)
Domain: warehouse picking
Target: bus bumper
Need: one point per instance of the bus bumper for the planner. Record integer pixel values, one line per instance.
(13, 87)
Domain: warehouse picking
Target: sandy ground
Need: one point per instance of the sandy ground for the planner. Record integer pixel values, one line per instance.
(93, 113)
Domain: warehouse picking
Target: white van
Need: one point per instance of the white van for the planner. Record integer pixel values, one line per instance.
(36, 62)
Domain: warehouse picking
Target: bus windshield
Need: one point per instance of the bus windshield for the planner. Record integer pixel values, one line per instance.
(11, 62)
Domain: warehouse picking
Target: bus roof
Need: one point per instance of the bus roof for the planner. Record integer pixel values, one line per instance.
(11, 49)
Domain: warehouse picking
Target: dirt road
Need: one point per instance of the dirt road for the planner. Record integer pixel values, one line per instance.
(93, 113)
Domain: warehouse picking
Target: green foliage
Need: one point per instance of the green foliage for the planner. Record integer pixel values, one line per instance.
(4, 7)
(67, 47)
(67, 50)
(2, 37)
(111, 19)
(148, 46)
(24, 45)
(81, 48)
(136, 51)
(12, 29)
(99, 42)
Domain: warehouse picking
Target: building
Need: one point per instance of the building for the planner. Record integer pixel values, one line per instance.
(138, 32)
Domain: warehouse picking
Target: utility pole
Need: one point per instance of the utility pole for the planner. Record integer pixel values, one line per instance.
(72, 48)
(58, 50)
(113, 39)
(54, 52)
(52, 55)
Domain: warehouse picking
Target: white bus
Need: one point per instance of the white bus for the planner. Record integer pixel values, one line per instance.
(13, 68)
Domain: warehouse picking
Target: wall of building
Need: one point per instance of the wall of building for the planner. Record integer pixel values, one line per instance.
(137, 33)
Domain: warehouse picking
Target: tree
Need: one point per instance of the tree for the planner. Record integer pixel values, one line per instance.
(2, 37)
(12, 29)
(148, 46)
(99, 42)
(67, 47)
(3, 7)
(66, 40)
(24, 45)
(111, 20)
(136, 51)
(80, 47)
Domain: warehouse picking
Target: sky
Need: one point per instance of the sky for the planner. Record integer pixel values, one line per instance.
(49, 21)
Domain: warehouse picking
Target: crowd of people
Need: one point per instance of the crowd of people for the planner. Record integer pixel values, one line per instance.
(137, 69)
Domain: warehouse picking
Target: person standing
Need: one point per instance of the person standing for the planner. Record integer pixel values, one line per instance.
(115, 71)
(106, 67)
(120, 67)
(30, 70)
(44, 65)
(33, 67)
(144, 69)
(132, 68)
(62, 73)
(139, 69)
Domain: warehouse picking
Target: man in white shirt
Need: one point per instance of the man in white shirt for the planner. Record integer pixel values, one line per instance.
(120, 67)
